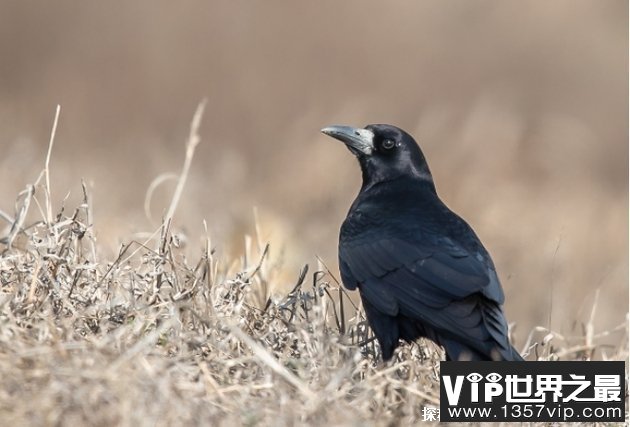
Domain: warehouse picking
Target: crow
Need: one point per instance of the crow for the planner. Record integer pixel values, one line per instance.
(420, 269)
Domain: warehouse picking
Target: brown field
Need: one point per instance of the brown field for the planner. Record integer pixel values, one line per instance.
(108, 319)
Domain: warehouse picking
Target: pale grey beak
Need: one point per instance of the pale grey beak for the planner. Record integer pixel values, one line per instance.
(359, 141)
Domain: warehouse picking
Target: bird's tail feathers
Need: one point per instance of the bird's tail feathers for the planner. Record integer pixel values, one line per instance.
(457, 351)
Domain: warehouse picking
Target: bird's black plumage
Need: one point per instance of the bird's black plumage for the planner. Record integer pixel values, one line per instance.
(420, 269)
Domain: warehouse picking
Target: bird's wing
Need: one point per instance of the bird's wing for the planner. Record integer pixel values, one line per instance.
(442, 266)
(442, 284)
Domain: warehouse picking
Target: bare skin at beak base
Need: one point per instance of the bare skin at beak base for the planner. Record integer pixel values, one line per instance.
(359, 141)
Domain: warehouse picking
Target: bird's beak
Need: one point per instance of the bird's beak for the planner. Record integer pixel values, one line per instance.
(359, 141)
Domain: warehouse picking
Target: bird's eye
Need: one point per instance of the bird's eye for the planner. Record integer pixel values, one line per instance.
(388, 144)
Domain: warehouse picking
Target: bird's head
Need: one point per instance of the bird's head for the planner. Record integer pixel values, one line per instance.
(384, 152)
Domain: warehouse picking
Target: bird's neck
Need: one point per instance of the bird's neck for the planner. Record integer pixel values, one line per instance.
(396, 183)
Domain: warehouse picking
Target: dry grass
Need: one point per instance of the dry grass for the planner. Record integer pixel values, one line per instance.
(151, 338)
(155, 338)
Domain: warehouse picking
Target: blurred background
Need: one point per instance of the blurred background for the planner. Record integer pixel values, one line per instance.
(520, 107)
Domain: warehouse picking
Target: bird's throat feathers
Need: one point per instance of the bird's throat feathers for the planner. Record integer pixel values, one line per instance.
(374, 175)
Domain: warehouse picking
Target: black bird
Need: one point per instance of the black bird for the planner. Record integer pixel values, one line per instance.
(420, 269)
